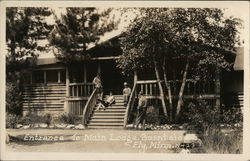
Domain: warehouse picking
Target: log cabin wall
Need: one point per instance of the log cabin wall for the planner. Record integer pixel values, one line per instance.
(43, 98)
(44, 89)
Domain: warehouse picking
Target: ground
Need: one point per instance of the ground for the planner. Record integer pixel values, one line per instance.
(94, 140)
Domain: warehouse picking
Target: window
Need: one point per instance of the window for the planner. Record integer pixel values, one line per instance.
(49, 76)
(38, 76)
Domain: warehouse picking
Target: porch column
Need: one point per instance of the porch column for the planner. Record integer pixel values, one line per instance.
(66, 103)
(99, 67)
(67, 82)
(59, 76)
(217, 87)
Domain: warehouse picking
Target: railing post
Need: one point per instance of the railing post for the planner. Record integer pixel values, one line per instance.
(151, 89)
(135, 76)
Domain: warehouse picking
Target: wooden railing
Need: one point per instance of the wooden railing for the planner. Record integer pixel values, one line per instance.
(89, 107)
(149, 87)
(193, 90)
(192, 87)
(130, 104)
(80, 89)
(201, 87)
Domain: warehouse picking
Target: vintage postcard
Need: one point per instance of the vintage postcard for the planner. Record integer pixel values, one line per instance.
(117, 80)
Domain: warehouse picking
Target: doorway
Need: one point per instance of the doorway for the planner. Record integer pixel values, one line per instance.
(112, 78)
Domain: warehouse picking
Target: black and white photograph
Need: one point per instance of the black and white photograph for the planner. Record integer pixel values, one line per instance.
(108, 78)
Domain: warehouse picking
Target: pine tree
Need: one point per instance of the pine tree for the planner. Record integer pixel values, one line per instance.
(25, 27)
(77, 29)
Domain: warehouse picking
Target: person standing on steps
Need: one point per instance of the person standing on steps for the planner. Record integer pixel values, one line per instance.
(98, 85)
(126, 93)
(141, 109)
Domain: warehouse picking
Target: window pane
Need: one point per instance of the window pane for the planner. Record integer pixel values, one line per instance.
(63, 76)
(38, 77)
(52, 76)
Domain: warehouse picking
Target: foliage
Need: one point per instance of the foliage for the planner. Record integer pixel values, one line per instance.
(159, 36)
(77, 29)
(67, 119)
(12, 120)
(231, 116)
(30, 119)
(206, 119)
(24, 28)
(13, 96)
(223, 143)
(200, 116)
(194, 33)
(152, 115)
(34, 118)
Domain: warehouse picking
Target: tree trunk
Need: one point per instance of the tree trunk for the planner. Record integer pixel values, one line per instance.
(169, 90)
(180, 101)
(160, 88)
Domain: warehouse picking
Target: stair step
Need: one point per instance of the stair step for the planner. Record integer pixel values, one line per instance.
(107, 116)
(105, 124)
(112, 108)
(107, 119)
(110, 111)
(115, 106)
(119, 100)
(104, 127)
(118, 104)
(112, 117)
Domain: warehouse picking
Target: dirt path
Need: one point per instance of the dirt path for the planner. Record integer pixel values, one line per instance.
(101, 140)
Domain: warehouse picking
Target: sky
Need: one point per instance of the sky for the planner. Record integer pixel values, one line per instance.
(228, 12)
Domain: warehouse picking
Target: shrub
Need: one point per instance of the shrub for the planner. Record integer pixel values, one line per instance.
(12, 120)
(200, 116)
(152, 115)
(13, 98)
(205, 119)
(34, 118)
(68, 119)
(231, 116)
(219, 142)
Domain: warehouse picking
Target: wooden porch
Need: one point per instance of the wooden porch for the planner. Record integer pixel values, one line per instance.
(56, 89)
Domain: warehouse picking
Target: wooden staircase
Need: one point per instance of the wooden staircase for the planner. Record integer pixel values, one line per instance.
(112, 117)
(238, 99)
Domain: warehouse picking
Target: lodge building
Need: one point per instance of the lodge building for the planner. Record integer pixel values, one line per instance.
(52, 87)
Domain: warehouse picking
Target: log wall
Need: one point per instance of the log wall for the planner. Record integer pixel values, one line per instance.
(44, 97)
